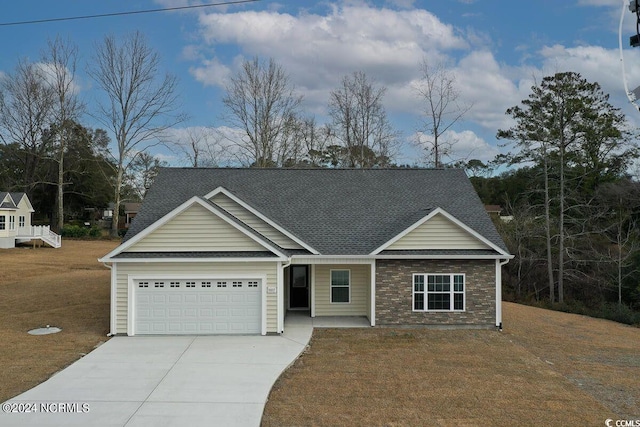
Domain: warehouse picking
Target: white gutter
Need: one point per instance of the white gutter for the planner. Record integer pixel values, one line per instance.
(112, 311)
(499, 265)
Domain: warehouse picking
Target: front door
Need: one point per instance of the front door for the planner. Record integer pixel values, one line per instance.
(299, 287)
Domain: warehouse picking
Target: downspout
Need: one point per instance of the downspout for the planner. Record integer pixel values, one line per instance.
(112, 300)
(499, 265)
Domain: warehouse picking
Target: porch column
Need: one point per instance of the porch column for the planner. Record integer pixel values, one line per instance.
(280, 296)
(372, 314)
(312, 286)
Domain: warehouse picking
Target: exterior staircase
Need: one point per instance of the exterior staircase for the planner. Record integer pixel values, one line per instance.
(40, 232)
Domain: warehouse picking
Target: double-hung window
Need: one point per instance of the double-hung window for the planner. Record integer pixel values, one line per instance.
(438, 292)
(21, 221)
(3, 223)
(12, 222)
(340, 286)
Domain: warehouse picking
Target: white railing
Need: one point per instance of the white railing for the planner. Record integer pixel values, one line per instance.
(42, 232)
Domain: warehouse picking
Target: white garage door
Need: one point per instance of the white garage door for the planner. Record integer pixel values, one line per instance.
(229, 306)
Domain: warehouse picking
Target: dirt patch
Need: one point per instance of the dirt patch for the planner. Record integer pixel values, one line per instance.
(64, 287)
(398, 377)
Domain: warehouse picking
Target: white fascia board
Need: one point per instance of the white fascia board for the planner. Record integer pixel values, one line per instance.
(190, 260)
(367, 259)
(261, 216)
(497, 256)
(175, 212)
(449, 217)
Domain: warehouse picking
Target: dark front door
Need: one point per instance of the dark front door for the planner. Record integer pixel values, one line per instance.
(299, 286)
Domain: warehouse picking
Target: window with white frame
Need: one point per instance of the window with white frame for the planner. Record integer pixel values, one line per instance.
(3, 223)
(340, 286)
(21, 221)
(12, 222)
(438, 292)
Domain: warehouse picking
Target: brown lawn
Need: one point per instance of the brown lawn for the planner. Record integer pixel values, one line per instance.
(546, 369)
(64, 287)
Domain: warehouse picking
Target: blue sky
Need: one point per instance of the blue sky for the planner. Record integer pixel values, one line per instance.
(497, 49)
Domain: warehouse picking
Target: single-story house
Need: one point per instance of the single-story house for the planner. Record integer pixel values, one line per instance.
(15, 222)
(217, 251)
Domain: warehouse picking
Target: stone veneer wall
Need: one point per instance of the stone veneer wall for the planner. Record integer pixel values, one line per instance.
(394, 281)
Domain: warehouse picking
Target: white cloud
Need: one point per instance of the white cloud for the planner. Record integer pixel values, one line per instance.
(464, 145)
(319, 49)
(217, 146)
(484, 84)
(211, 73)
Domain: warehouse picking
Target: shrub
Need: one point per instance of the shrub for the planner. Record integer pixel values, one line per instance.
(74, 231)
(80, 231)
(95, 232)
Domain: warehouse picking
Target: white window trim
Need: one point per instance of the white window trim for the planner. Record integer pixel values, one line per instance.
(451, 292)
(3, 222)
(12, 222)
(22, 220)
(331, 286)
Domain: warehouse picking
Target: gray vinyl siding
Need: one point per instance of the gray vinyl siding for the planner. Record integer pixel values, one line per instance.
(196, 229)
(216, 269)
(360, 284)
(254, 222)
(438, 233)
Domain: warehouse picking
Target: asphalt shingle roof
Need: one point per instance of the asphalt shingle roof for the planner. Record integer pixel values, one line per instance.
(336, 211)
(9, 203)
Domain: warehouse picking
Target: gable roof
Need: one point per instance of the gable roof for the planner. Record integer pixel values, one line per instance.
(438, 211)
(7, 201)
(335, 211)
(12, 200)
(216, 211)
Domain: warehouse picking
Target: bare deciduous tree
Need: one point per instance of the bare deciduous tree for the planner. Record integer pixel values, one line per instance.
(360, 124)
(199, 146)
(60, 61)
(140, 104)
(262, 102)
(26, 111)
(441, 109)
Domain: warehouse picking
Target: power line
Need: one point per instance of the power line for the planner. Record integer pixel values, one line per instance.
(105, 15)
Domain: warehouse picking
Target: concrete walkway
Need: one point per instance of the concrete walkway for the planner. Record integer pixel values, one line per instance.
(179, 381)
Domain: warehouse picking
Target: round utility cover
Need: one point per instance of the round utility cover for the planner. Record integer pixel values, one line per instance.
(45, 331)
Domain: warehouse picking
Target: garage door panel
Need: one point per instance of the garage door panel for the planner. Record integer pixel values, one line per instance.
(198, 307)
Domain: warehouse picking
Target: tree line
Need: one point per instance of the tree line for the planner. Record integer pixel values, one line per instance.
(566, 182)
(572, 202)
(42, 135)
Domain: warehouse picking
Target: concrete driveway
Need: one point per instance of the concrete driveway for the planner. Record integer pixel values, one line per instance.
(163, 381)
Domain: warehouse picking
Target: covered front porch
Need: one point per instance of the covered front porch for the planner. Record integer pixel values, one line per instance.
(299, 318)
(329, 292)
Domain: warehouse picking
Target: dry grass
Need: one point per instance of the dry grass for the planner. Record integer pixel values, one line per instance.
(547, 368)
(63, 287)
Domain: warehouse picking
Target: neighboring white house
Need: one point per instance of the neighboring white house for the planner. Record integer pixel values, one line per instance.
(15, 222)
